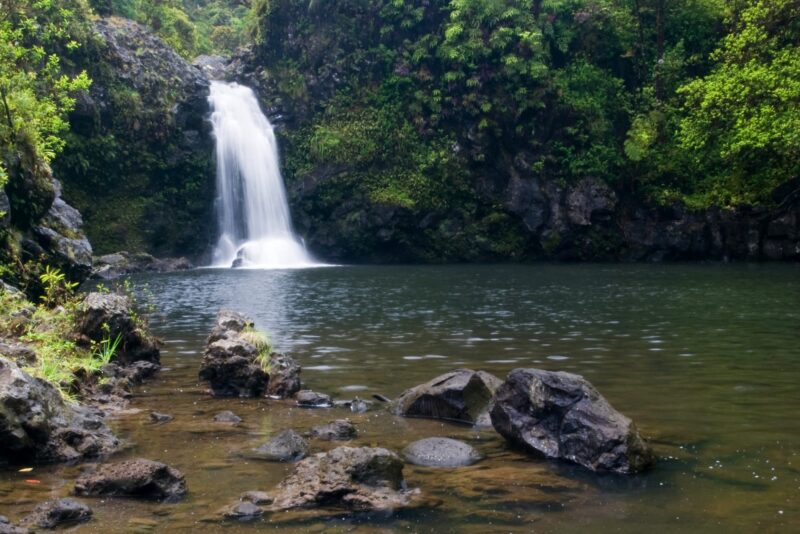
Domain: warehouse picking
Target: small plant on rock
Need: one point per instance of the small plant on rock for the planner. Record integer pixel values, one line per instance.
(261, 342)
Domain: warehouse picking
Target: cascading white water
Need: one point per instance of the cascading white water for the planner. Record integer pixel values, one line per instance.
(254, 221)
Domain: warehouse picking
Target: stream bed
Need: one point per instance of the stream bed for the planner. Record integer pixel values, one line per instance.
(704, 358)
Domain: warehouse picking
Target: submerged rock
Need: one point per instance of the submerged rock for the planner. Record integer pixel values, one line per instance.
(51, 514)
(338, 430)
(36, 425)
(561, 415)
(231, 363)
(359, 479)
(139, 478)
(462, 395)
(227, 417)
(7, 527)
(288, 446)
(158, 417)
(284, 376)
(441, 452)
(104, 316)
(256, 497)
(311, 399)
(244, 511)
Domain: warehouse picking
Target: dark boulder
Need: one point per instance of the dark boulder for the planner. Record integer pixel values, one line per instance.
(231, 363)
(561, 415)
(284, 376)
(139, 478)
(358, 479)
(462, 395)
(36, 425)
(55, 513)
(227, 417)
(338, 430)
(440, 452)
(104, 316)
(311, 399)
(288, 446)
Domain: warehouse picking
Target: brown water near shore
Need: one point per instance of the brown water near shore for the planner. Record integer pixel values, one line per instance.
(705, 358)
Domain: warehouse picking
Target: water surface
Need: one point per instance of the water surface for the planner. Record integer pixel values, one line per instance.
(705, 358)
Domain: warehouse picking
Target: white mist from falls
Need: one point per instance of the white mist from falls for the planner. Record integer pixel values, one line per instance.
(255, 225)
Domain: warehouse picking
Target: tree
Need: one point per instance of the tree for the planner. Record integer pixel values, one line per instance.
(742, 121)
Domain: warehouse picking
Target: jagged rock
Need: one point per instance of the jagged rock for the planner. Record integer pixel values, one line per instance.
(158, 417)
(51, 514)
(104, 316)
(288, 446)
(462, 395)
(18, 352)
(227, 417)
(36, 425)
(338, 430)
(230, 362)
(118, 264)
(441, 452)
(284, 376)
(311, 399)
(358, 479)
(213, 67)
(561, 415)
(6, 527)
(139, 478)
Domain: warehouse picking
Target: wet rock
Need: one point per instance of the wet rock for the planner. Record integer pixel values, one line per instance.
(354, 405)
(158, 417)
(256, 497)
(358, 479)
(288, 446)
(338, 430)
(139, 478)
(244, 511)
(227, 417)
(311, 399)
(104, 316)
(37, 426)
(230, 362)
(561, 415)
(213, 67)
(284, 376)
(462, 395)
(441, 452)
(51, 514)
(7, 527)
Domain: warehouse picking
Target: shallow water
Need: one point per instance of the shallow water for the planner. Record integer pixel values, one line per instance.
(705, 358)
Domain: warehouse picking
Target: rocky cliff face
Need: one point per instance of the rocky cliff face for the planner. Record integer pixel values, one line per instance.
(138, 162)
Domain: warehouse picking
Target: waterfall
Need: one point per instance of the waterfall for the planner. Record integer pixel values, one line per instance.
(255, 226)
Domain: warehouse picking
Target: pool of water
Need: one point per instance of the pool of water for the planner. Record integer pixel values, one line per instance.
(705, 359)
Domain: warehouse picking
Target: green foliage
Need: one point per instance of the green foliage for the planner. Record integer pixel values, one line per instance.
(57, 289)
(742, 121)
(35, 93)
(262, 344)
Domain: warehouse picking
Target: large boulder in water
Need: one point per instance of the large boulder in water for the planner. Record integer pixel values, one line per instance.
(288, 446)
(462, 395)
(104, 316)
(36, 425)
(284, 376)
(561, 415)
(139, 478)
(231, 362)
(358, 479)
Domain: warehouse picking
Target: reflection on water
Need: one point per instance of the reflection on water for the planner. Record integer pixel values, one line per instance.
(704, 358)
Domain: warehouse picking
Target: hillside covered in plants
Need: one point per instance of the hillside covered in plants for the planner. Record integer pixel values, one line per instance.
(433, 130)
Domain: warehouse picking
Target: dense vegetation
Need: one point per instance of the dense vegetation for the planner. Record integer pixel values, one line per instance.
(420, 107)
